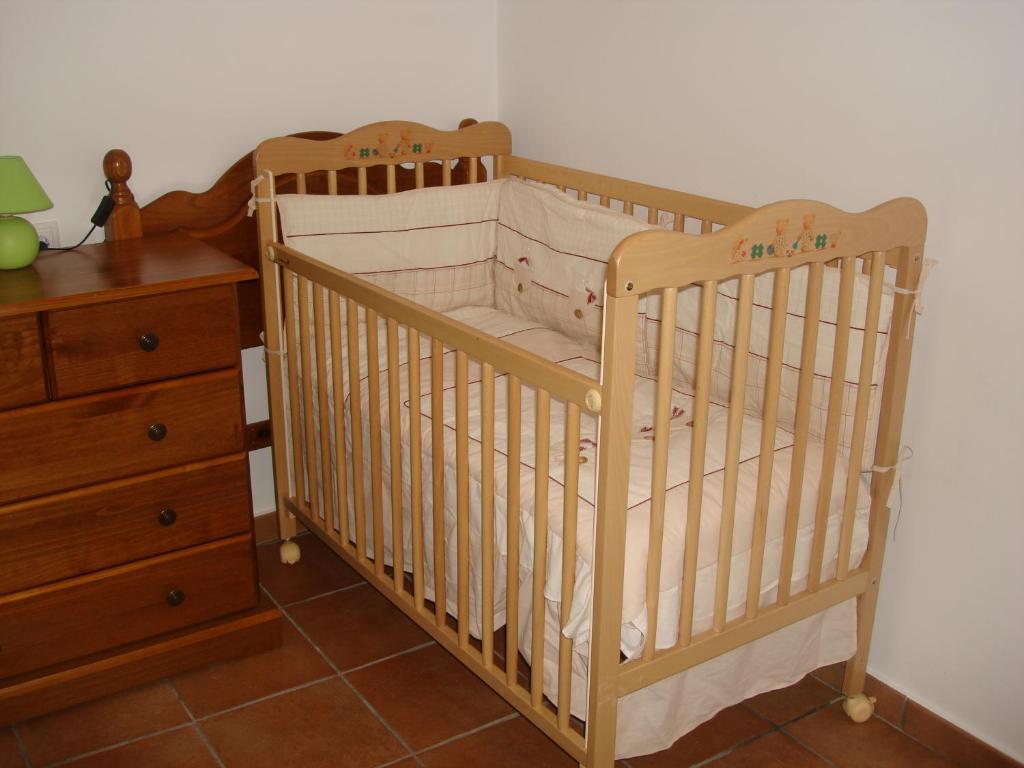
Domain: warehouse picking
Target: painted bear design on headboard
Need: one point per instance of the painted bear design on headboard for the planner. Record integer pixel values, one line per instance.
(781, 246)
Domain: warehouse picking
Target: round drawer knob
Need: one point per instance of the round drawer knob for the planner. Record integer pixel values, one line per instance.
(167, 517)
(149, 341)
(157, 432)
(175, 598)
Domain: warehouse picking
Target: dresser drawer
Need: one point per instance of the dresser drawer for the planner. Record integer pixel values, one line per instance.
(57, 537)
(73, 443)
(22, 381)
(72, 618)
(129, 342)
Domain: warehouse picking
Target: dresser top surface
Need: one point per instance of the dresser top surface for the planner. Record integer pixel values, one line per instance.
(115, 270)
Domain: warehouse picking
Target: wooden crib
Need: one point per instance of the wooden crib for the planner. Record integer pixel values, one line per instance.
(735, 243)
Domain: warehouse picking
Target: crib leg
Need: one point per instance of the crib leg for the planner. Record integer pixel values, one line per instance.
(857, 706)
(290, 552)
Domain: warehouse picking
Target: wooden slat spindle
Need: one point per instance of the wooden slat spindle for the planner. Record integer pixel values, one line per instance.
(769, 421)
(659, 465)
(293, 385)
(627, 207)
(698, 449)
(391, 181)
(512, 513)
(332, 182)
(706, 226)
(326, 475)
(605, 201)
(840, 353)
(356, 423)
(652, 215)
(419, 176)
(462, 491)
(300, 183)
(876, 267)
(437, 475)
(361, 185)
(570, 503)
(307, 400)
(446, 173)
(678, 222)
(487, 512)
(415, 464)
(338, 388)
(581, 194)
(733, 442)
(540, 543)
(474, 164)
(805, 383)
(373, 406)
(395, 440)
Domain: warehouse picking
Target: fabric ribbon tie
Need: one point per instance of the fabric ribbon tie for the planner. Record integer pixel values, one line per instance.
(267, 351)
(906, 453)
(253, 200)
(917, 307)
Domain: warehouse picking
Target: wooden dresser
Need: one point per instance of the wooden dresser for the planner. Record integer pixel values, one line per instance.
(126, 542)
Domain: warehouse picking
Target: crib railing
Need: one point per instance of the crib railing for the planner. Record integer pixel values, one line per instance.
(340, 304)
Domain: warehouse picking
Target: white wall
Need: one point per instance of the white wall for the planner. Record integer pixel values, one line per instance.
(851, 103)
(189, 86)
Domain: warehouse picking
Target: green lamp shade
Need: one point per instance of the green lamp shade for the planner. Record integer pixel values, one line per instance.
(19, 190)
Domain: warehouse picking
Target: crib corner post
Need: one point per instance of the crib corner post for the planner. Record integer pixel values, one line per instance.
(270, 285)
(617, 374)
(909, 267)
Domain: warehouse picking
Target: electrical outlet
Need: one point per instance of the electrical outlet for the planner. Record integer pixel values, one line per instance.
(49, 232)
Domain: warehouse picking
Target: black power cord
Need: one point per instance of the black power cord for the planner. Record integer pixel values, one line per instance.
(99, 218)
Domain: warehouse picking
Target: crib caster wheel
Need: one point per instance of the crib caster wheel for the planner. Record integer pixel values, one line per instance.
(859, 708)
(290, 552)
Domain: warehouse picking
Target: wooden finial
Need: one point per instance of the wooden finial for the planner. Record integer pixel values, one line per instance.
(126, 220)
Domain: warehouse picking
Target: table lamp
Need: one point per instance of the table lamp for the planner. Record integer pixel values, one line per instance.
(19, 193)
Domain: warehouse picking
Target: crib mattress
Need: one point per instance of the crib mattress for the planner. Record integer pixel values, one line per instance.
(636, 624)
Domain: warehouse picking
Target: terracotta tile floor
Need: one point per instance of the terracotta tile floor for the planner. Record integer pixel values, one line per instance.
(350, 686)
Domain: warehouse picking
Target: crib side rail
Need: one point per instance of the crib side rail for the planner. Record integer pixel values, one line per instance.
(661, 263)
(687, 211)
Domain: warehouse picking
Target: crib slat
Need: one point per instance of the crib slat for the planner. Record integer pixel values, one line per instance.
(415, 464)
(332, 182)
(698, 447)
(769, 420)
(487, 512)
(540, 543)
(581, 194)
(627, 207)
(395, 439)
(474, 163)
(678, 222)
(446, 173)
(373, 397)
(356, 423)
(338, 387)
(419, 176)
(876, 268)
(300, 183)
(293, 386)
(605, 201)
(513, 448)
(732, 449)
(392, 186)
(652, 215)
(361, 185)
(462, 490)
(307, 400)
(570, 503)
(805, 382)
(437, 474)
(659, 465)
(705, 226)
(326, 479)
(835, 402)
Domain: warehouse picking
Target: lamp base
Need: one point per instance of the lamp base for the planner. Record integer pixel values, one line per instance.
(19, 242)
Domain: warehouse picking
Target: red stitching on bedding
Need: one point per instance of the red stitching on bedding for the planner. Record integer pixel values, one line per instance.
(548, 245)
(425, 269)
(394, 231)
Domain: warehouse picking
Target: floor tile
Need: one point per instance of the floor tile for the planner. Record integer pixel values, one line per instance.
(228, 683)
(951, 741)
(102, 723)
(323, 725)
(889, 703)
(427, 696)
(183, 747)
(789, 703)
(511, 744)
(874, 744)
(776, 750)
(832, 675)
(357, 626)
(10, 754)
(730, 726)
(318, 571)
